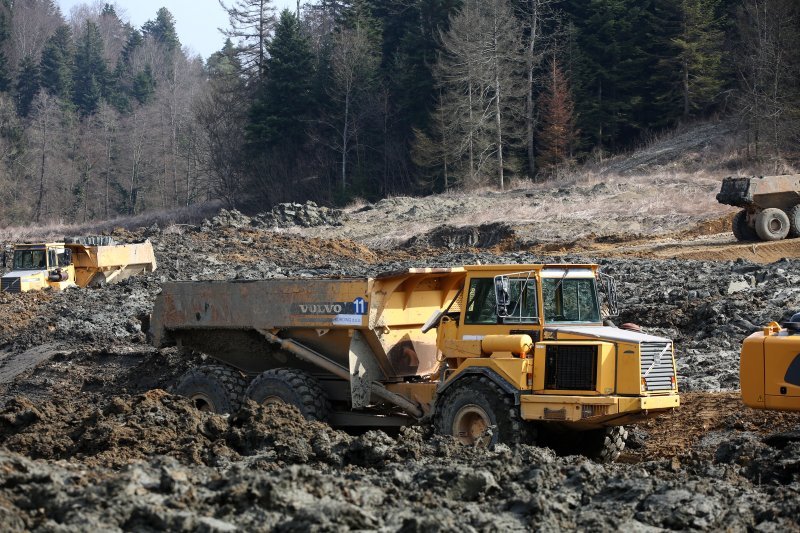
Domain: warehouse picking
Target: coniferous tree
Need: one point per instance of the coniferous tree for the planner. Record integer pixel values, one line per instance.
(90, 71)
(162, 30)
(144, 85)
(278, 115)
(5, 33)
(557, 135)
(700, 54)
(57, 63)
(27, 85)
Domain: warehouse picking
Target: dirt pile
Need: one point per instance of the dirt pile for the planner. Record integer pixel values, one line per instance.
(452, 238)
(267, 469)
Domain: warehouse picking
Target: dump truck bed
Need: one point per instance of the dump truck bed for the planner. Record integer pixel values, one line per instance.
(228, 319)
(760, 191)
(115, 256)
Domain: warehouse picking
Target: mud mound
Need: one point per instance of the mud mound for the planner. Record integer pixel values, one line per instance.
(451, 238)
(703, 422)
(125, 429)
(18, 310)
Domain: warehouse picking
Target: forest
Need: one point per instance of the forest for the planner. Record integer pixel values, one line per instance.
(362, 99)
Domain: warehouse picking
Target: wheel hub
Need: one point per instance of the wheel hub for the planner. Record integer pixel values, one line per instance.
(203, 402)
(272, 400)
(470, 424)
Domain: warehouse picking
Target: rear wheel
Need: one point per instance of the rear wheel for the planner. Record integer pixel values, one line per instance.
(772, 224)
(213, 388)
(794, 221)
(293, 387)
(741, 229)
(478, 413)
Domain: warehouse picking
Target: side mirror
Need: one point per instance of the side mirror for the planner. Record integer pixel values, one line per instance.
(433, 321)
(610, 290)
(501, 295)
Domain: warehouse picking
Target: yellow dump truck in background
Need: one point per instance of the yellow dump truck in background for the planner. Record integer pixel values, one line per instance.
(512, 353)
(80, 262)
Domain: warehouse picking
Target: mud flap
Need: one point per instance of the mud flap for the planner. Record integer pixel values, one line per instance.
(364, 369)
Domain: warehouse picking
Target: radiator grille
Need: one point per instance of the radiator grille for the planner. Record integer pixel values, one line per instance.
(9, 285)
(571, 367)
(658, 371)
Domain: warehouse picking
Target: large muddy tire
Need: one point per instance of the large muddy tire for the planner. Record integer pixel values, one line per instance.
(772, 224)
(604, 445)
(294, 387)
(794, 221)
(479, 413)
(741, 229)
(213, 388)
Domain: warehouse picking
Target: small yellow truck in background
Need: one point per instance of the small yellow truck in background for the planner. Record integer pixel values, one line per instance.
(79, 262)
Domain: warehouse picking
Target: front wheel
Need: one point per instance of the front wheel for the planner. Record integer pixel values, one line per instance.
(478, 413)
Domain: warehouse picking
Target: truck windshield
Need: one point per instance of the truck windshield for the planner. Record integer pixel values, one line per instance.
(570, 300)
(30, 260)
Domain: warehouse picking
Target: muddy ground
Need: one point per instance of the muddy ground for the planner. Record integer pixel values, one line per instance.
(90, 436)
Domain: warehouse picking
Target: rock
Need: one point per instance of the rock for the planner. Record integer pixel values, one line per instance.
(738, 286)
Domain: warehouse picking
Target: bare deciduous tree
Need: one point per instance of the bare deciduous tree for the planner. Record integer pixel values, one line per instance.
(251, 23)
(354, 65)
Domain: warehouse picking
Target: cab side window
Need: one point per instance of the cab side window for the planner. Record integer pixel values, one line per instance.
(481, 304)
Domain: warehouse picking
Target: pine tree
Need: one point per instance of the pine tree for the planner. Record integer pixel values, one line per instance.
(57, 63)
(278, 115)
(90, 71)
(557, 136)
(123, 77)
(162, 30)
(5, 31)
(27, 85)
(700, 54)
(144, 85)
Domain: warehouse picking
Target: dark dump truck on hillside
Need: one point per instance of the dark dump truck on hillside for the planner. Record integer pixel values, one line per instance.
(487, 352)
(770, 206)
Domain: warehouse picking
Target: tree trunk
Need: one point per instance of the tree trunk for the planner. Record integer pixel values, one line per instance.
(40, 200)
(345, 133)
(529, 116)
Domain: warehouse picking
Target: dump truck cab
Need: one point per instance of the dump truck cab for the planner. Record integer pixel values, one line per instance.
(37, 266)
(537, 332)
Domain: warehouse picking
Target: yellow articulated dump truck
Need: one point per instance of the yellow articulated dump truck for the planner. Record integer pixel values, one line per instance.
(769, 368)
(492, 353)
(79, 262)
